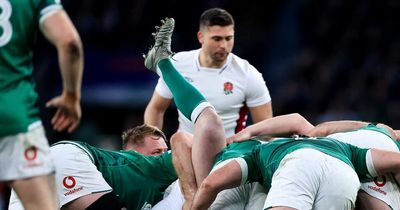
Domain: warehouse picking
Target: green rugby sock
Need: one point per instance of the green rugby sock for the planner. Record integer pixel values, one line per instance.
(186, 97)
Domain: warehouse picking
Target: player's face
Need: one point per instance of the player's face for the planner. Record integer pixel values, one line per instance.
(152, 146)
(217, 42)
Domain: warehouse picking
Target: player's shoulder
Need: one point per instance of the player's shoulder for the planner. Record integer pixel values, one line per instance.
(241, 64)
(185, 55)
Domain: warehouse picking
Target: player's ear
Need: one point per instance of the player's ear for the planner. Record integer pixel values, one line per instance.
(200, 37)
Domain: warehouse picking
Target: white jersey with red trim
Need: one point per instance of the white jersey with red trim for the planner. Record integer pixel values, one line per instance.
(230, 89)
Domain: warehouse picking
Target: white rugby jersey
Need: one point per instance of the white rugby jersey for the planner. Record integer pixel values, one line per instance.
(230, 89)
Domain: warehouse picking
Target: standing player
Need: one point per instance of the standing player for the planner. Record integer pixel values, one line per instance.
(208, 129)
(25, 156)
(229, 83)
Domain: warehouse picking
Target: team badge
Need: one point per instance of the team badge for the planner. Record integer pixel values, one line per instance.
(228, 88)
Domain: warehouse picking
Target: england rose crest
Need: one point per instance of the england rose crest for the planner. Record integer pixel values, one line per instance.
(228, 88)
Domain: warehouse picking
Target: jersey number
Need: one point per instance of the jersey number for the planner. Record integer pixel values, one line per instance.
(5, 24)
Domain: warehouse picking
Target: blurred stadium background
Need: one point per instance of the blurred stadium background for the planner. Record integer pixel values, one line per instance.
(332, 59)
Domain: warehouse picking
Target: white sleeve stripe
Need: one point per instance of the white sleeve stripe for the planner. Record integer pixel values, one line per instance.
(243, 166)
(370, 164)
(48, 11)
(199, 108)
(220, 165)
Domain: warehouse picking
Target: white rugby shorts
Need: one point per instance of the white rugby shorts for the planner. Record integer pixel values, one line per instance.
(310, 179)
(76, 174)
(25, 155)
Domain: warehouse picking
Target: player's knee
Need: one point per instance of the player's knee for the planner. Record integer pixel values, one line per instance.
(211, 122)
(108, 201)
(181, 138)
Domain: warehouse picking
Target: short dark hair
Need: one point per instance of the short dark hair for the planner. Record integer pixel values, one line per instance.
(136, 134)
(216, 16)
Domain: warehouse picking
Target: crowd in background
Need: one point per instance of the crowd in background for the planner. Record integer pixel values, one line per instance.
(327, 60)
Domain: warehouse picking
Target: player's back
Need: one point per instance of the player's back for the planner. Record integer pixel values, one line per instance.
(137, 179)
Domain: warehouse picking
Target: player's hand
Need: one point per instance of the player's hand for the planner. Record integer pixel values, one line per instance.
(68, 112)
(241, 136)
(397, 134)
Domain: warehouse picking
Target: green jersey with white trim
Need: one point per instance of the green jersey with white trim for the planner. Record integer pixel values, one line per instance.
(265, 158)
(236, 149)
(19, 20)
(138, 180)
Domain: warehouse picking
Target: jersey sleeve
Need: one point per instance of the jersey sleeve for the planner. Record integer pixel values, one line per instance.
(47, 8)
(166, 167)
(253, 173)
(359, 161)
(162, 89)
(257, 92)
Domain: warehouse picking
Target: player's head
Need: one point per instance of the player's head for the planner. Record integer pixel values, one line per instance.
(144, 139)
(216, 17)
(216, 34)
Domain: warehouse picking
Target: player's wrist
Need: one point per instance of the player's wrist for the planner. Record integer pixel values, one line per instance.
(72, 95)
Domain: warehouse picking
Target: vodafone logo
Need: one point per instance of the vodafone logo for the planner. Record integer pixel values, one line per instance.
(69, 182)
(30, 153)
(380, 181)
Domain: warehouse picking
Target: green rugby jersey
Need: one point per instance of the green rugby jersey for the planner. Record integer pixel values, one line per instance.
(236, 149)
(265, 158)
(18, 26)
(138, 180)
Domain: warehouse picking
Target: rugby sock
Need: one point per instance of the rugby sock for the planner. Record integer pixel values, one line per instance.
(188, 99)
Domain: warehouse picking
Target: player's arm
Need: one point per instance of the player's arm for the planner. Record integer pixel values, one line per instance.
(60, 31)
(284, 125)
(155, 110)
(384, 162)
(262, 112)
(181, 145)
(331, 127)
(226, 177)
(257, 96)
